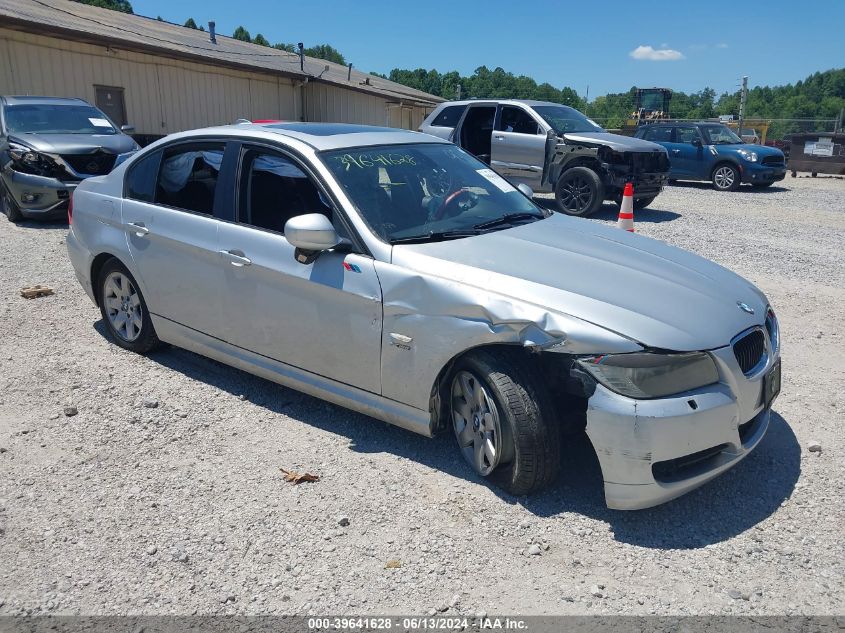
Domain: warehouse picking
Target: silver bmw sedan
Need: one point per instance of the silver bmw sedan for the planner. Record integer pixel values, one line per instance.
(392, 273)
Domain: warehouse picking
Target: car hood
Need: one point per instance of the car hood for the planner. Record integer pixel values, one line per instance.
(77, 143)
(644, 289)
(616, 142)
(760, 150)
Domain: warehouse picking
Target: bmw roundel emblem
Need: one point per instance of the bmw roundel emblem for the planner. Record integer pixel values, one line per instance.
(745, 307)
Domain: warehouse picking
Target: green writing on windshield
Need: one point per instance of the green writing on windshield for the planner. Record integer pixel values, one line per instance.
(363, 161)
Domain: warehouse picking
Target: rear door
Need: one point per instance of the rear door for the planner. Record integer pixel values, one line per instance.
(518, 146)
(324, 317)
(168, 216)
(474, 131)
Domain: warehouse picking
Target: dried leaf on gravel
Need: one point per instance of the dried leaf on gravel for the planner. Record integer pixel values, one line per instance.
(31, 292)
(393, 563)
(297, 478)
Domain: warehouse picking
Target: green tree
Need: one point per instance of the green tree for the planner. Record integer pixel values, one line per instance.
(116, 5)
(324, 51)
(242, 34)
(189, 23)
(290, 48)
(260, 40)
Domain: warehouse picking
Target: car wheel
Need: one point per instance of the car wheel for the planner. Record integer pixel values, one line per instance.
(726, 178)
(642, 203)
(13, 213)
(124, 309)
(579, 191)
(499, 419)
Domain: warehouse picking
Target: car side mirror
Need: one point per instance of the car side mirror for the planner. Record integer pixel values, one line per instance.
(310, 235)
(696, 142)
(127, 129)
(527, 191)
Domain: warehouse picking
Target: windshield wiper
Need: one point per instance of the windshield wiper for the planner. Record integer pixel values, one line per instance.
(436, 236)
(510, 218)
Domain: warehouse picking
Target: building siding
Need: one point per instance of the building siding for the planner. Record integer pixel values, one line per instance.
(164, 95)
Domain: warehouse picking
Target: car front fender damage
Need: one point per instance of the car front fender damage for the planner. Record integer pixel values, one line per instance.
(429, 321)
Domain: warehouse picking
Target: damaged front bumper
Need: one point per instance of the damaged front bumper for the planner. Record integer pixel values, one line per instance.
(652, 451)
(646, 184)
(38, 197)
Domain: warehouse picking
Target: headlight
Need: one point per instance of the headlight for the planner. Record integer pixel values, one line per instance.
(773, 328)
(22, 153)
(649, 375)
(30, 160)
(751, 157)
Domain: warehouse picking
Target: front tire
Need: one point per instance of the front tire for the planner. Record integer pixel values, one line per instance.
(579, 191)
(726, 178)
(500, 419)
(13, 213)
(124, 309)
(642, 203)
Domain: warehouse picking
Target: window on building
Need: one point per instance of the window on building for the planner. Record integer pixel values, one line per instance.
(188, 177)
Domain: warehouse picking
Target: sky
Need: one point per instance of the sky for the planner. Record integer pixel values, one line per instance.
(608, 45)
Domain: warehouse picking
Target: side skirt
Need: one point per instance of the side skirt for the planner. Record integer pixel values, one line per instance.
(390, 411)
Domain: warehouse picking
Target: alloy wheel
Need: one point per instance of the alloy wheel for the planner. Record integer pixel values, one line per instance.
(724, 177)
(123, 306)
(576, 195)
(475, 419)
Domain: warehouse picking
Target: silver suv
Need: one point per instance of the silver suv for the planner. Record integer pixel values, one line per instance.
(553, 148)
(47, 146)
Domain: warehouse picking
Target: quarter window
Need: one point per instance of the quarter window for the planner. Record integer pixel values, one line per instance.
(274, 189)
(189, 175)
(449, 116)
(517, 120)
(141, 179)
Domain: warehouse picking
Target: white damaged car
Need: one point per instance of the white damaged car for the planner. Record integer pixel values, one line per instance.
(393, 273)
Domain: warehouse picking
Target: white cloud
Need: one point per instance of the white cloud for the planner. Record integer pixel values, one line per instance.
(648, 53)
(721, 45)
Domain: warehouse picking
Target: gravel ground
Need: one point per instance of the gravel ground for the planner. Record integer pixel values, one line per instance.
(133, 485)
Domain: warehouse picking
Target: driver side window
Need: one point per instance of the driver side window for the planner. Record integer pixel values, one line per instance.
(516, 120)
(685, 134)
(274, 189)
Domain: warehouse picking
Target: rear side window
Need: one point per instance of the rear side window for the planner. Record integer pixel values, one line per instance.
(141, 178)
(189, 175)
(658, 134)
(449, 116)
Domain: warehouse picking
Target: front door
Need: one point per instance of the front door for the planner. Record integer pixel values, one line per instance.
(688, 153)
(168, 216)
(518, 147)
(474, 131)
(324, 317)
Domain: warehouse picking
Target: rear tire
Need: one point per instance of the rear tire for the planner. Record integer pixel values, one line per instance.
(642, 203)
(495, 403)
(579, 192)
(726, 177)
(124, 310)
(13, 213)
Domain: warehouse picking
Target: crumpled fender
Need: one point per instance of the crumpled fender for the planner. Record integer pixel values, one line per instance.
(429, 320)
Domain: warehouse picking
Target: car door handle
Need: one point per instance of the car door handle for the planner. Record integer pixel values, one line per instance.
(137, 228)
(676, 151)
(499, 138)
(236, 258)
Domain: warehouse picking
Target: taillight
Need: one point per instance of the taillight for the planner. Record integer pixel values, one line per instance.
(70, 208)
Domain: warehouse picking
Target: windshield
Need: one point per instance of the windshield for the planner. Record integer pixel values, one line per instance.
(719, 135)
(427, 191)
(56, 119)
(564, 119)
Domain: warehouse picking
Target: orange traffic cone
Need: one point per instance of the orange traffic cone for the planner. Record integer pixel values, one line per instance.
(626, 211)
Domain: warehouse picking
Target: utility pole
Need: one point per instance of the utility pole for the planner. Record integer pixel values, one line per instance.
(587, 100)
(743, 96)
(458, 92)
(839, 121)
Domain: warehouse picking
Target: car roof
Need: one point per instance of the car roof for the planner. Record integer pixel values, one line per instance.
(528, 102)
(26, 99)
(328, 136)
